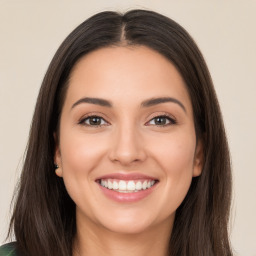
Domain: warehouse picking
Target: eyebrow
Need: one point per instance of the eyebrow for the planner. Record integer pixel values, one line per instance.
(146, 103)
(96, 101)
(155, 101)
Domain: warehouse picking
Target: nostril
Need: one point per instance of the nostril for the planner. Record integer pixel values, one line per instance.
(127, 156)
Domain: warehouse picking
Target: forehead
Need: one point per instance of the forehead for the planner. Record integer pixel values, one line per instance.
(126, 73)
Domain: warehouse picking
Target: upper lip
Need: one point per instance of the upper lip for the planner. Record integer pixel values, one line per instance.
(127, 176)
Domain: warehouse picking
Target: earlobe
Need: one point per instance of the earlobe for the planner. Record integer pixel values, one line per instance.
(198, 159)
(57, 157)
(58, 171)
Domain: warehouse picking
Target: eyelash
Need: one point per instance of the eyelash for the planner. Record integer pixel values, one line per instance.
(171, 121)
(82, 122)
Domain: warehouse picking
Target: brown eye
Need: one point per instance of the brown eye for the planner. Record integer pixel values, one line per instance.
(161, 121)
(93, 121)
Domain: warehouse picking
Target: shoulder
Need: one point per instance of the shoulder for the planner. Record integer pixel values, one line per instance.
(8, 249)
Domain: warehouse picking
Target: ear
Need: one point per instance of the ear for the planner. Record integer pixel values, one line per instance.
(198, 158)
(57, 157)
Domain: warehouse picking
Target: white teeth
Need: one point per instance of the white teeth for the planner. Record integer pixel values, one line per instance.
(115, 185)
(122, 185)
(138, 185)
(144, 185)
(130, 186)
(110, 186)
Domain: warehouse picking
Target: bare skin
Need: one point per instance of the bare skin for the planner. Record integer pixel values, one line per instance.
(107, 243)
(127, 112)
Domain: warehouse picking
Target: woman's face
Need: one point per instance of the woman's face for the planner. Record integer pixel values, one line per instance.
(127, 145)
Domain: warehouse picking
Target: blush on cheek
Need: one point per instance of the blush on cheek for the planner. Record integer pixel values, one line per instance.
(178, 159)
(81, 150)
(177, 162)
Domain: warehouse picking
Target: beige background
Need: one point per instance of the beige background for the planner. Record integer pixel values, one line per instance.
(31, 31)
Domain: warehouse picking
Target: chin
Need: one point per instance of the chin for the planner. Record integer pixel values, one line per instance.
(133, 222)
(128, 227)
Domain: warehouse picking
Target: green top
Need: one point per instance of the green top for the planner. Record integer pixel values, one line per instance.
(8, 250)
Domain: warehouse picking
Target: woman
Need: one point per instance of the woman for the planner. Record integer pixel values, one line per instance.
(127, 152)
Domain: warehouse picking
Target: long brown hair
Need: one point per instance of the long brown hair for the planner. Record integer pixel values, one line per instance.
(44, 219)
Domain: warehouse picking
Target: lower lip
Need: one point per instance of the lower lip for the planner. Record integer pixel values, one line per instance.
(127, 197)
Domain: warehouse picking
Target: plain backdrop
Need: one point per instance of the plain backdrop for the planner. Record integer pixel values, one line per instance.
(31, 31)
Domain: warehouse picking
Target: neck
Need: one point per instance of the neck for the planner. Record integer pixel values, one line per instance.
(99, 241)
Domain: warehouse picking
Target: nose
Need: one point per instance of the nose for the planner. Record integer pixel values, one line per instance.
(127, 146)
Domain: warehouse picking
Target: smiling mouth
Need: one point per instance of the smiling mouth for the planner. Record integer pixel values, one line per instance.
(127, 186)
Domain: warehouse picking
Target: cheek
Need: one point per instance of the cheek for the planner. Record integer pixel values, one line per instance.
(179, 170)
(175, 153)
(175, 156)
(81, 153)
(79, 157)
